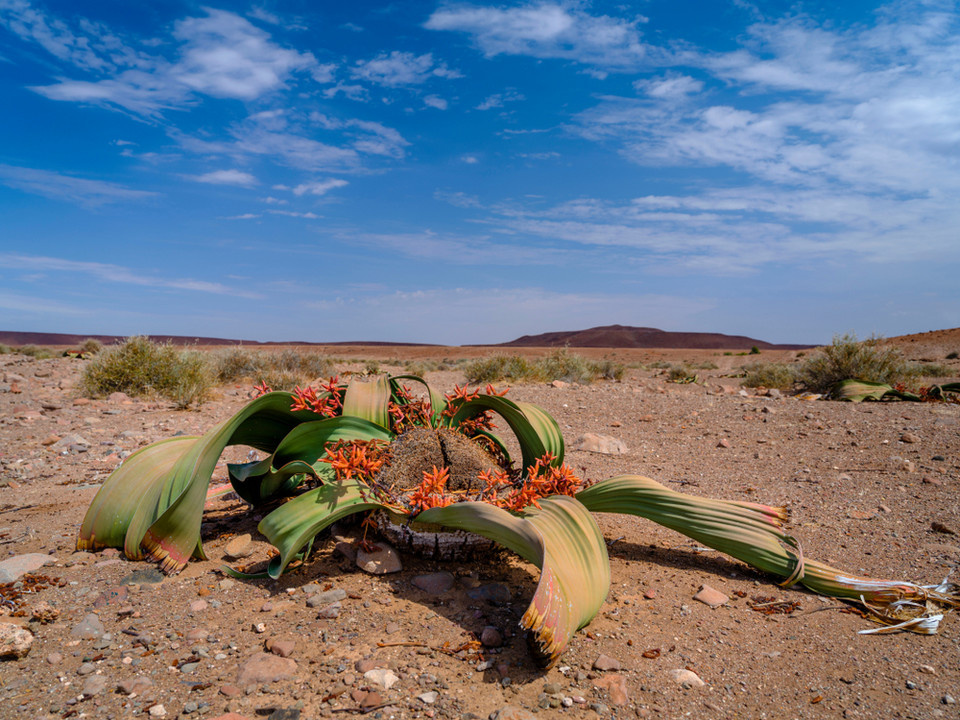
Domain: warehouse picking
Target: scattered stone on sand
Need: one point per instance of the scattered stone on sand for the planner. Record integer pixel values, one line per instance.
(434, 583)
(326, 597)
(94, 685)
(711, 596)
(15, 642)
(686, 678)
(239, 547)
(493, 593)
(616, 687)
(491, 637)
(600, 444)
(14, 568)
(282, 647)
(382, 559)
(145, 576)
(512, 712)
(137, 685)
(910, 438)
(90, 627)
(264, 668)
(605, 662)
(330, 611)
(381, 677)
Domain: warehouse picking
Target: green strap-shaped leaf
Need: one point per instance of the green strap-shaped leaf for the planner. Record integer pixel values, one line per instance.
(536, 431)
(294, 524)
(368, 400)
(137, 482)
(298, 453)
(563, 540)
(166, 523)
(860, 390)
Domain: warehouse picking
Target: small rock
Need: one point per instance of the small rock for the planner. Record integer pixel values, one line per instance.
(135, 686)
(86, 668)
(650, 594)
(948, 700)
(493, 593)
(939, 527)
(512, 712)
(14, 568)
(262, 669)
(54, 658)
(930, 480)
(196, 635)
(239, 547)
(391, 628)
(326, 597)
(347, 549)
(605, 662)
(90, 627)
(491, 637)
(230, 691)
(434, 583)
(330, 611)
(94, 685)
(15, 641)
(929, 669)
(428, 698)
(283, 648)
(686, 678)
(559, 384)
(616, 686)
(382, 560)
(371, 700)
(147, 576)
(710, 596)
(381, 677)
(724, 443)
(198, 606)
(157, 711)
(600, 444)
(909, 437)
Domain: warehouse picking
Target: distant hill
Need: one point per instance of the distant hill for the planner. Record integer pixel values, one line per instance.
(623, 336)
(15, 338)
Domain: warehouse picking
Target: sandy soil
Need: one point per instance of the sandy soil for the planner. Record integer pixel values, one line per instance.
(866, 485)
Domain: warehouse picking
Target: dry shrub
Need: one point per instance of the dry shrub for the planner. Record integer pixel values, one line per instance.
(769, 375)
(561, 364)
(846, 358)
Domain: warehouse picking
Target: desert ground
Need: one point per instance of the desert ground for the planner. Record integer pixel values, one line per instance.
(871, 487)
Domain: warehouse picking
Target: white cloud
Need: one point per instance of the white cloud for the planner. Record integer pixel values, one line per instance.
(401, 68)
(226, 177)
(270, 200)
(220, 54)
(470, 159)
(435, 101)
(670, 87)
(115, 273)
(548, 30)
(68, 187)
(497, 100)
(290, 213)
(245, 216)
(320, 187)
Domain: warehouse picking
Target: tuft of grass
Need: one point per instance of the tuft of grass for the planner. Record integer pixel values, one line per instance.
(682, 373)
(141, 367)
(91, 346)
(934, 370)
(235, 363)
(558, 365)
(769, 375)
(5, 349)
(847, 358)
(35, 351)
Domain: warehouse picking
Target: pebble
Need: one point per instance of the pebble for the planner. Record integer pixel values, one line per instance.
(600, 444)
(261, 669)
(283, 648)
(686, 678)
(605, 662)
(157, 711)
(710, 596)
(137, 685)
(382, 560)
(381, 677)
(54, 658)
(724, 443)
(491, 637)
(94, 685)
(198, 606)
(14, 641)
(86, 668)
(434, 583)
(90, 627)
(330, 611)
(239, 547)
(616, 687)
(909, 437)
(948, 700)
(512, 712)
(327, 597)
(428, 697)
(493, 593)
(14, 568)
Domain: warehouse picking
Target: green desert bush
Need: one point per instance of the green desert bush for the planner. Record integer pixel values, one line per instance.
(139, 366)
(682, 373)
(5, 349)
(35, 351)
(769, 375)
(934, 370)
(91, 346)
(847, 358)
(235, 363)
(561, 364)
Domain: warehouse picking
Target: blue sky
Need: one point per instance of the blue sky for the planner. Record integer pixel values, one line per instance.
(467, 173)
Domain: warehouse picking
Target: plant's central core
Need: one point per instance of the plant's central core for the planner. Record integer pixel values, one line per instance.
(420, 450)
